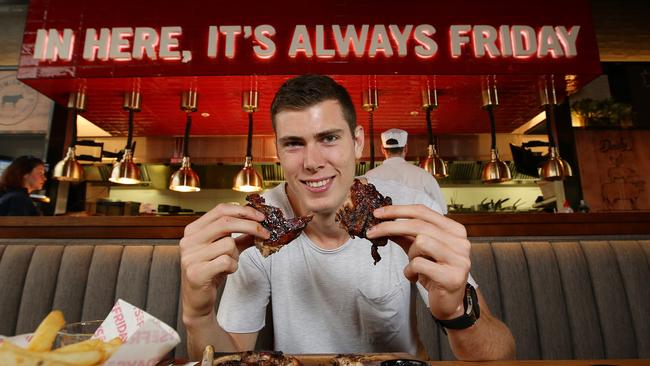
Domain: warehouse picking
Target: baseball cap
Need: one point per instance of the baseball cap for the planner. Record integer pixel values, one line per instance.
(394, 138)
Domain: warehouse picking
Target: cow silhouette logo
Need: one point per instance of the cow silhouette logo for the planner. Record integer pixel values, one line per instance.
(17, 101)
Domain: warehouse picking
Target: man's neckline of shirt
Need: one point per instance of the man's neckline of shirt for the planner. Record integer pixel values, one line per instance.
(394, 159)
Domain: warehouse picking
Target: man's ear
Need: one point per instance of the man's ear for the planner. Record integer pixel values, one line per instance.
(358, 141)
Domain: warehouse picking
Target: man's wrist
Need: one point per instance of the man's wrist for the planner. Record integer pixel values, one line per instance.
(460, 310)
(471, 312)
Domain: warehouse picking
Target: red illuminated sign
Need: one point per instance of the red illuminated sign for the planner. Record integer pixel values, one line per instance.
(125, 44)
(203, 38)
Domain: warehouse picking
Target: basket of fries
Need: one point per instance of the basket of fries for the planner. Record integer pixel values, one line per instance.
(39, 349)
(127, 336)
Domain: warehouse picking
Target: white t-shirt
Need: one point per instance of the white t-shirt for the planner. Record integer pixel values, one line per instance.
(400, 170)
(326, 301)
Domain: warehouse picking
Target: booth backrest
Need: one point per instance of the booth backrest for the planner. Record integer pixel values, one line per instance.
(561, 299)
(565, 299)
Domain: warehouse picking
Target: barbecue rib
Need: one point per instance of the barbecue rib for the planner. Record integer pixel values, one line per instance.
(282, 230)
(256, 358)
(356, 214)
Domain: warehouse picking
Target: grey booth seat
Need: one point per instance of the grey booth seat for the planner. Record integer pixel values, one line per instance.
(562, 299)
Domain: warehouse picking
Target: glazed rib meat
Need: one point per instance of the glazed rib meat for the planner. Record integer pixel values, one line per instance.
(356, 214)
(282, 230)
(256, 358)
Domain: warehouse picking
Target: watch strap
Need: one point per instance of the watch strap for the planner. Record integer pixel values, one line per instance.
(470, 316)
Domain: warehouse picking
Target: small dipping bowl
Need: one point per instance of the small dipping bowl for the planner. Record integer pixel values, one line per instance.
(76, 332)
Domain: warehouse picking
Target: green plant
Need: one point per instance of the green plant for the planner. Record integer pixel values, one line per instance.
(603, 113)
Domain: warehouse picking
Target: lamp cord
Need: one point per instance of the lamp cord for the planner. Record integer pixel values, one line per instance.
(186, 140)
(129, 137)
(493, 126)
(73, 116)
(249, 145)
(372, 140)
(548, 108)
(429, 128)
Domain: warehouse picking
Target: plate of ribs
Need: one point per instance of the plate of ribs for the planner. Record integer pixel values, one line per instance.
(356, 217)
(283, 230)
(249, 358)
(278, 358)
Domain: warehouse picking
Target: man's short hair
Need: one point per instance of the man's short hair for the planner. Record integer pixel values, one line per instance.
(394, 150)
(304, 91)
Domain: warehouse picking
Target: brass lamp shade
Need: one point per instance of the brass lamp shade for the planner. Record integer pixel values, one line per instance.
(495, 171)
(434, 164)
(69, 169)
(125, 171)
(555, 168)
(247, 180)
(185, 179)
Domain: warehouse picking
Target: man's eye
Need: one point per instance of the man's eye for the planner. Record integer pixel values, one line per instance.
(292, 144)
(330, 139)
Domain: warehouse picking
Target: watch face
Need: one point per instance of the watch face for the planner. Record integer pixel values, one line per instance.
(469, 306)
(17, 100)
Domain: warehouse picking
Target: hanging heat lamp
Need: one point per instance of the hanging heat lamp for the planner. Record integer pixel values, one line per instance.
(69, 169)
(248, 179)
(370, 103)
(554, 167)
(433, 163)
(185, 179)
(495, 171)
(126, 171)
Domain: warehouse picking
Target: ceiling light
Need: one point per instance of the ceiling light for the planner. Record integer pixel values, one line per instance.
(495, 171)
(554, 167)
(185, 179)
(433, 163)
(248, 179)
(69, 169)
(126, 171)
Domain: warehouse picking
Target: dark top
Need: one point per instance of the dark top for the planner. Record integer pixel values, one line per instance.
(16, 202)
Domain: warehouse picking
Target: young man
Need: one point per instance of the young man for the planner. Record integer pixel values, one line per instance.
(394, 146)
(327, 295)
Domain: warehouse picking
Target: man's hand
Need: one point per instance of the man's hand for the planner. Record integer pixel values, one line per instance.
(209, 254)
(438, 250)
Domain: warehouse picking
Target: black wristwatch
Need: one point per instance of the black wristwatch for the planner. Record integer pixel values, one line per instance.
(469, 317)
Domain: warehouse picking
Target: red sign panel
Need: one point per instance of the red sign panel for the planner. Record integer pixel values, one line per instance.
(85, 39)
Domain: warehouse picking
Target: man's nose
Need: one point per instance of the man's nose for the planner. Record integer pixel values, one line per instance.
(314, 159)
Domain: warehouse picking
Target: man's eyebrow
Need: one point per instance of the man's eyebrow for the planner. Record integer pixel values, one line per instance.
(334, 131)
(285, 139)
(320, 135)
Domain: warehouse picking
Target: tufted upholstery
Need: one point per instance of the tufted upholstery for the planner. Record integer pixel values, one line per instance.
(561, 299)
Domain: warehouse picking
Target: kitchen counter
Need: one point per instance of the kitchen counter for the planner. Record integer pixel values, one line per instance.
(478, 225)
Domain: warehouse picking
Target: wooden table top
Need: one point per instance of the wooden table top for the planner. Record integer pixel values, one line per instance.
(624, 362)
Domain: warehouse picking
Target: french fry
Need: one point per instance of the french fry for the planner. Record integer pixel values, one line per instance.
(83, 358)
(9, 358)
(46, 332)
(106, 348)
(111, 346)
(14, 355)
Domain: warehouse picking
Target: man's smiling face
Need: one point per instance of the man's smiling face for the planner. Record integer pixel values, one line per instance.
(318, 153)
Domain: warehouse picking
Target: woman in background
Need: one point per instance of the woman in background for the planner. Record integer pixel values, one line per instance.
(23, 176)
